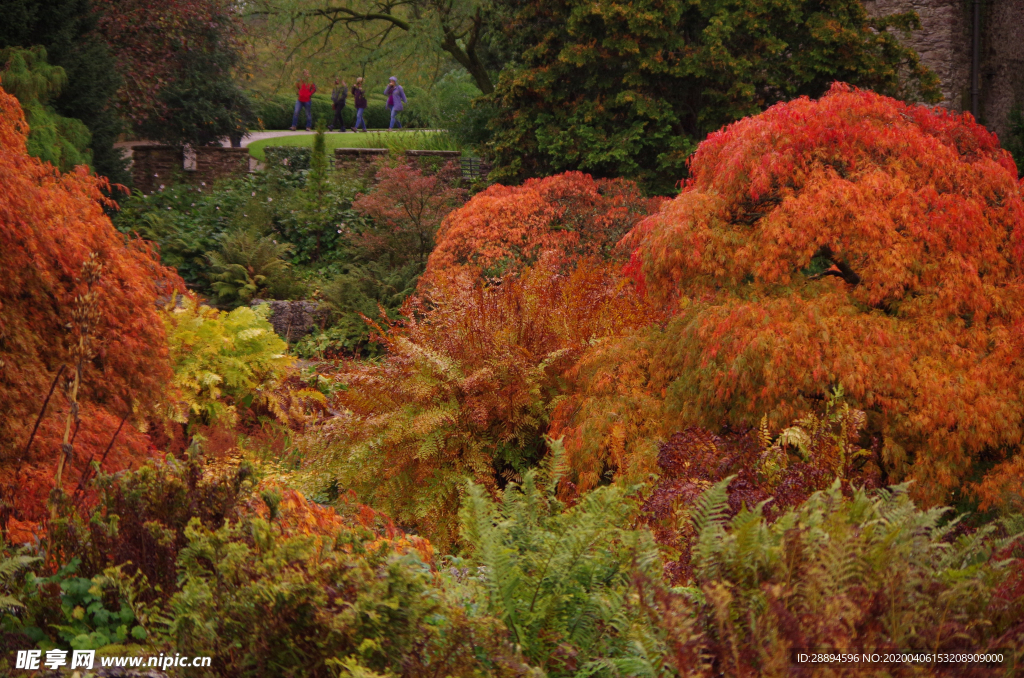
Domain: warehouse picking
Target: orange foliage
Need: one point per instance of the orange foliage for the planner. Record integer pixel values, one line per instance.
(294, 515)
(467, 388)
(505, 227)
(852, 240)
(49, 226)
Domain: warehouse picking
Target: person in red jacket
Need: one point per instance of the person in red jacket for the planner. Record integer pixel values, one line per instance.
(305, 89)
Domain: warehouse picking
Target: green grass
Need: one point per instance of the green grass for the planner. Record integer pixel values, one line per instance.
(400, 141)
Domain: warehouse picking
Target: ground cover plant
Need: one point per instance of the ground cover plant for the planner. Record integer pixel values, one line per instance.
(379, 423)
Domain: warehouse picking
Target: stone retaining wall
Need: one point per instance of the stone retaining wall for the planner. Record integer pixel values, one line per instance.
(157, 166)
(154, 166)
(358, 160)
(944, 44)
(213, 163)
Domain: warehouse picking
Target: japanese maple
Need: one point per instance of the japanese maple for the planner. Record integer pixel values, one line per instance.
(852, 240)
(506, 227)
(76, 298)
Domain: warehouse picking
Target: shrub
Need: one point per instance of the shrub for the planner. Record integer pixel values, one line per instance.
(852, 241)
(407, 205)
(246, 266)
(467, 388)
(294, 158)
(353, 603)
(562, 579)
(777, 472)
(372, 291)
(507, 227)
(868, 572)
(55, 327)
(223, 361)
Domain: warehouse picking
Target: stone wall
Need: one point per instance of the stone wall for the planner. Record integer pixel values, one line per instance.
(1002, 62)
(213, 163)
(156, 166)
(359, 161)
(944, 44)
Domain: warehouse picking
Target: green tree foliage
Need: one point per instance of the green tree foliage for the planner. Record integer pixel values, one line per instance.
(865, 571)
(626, 90)
(563, 579)
(203, 103)
(62, 142)
(66, 29)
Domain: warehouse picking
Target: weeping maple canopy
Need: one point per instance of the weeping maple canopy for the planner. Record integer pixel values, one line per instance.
(852, 240)
(51, 224)
(506, 227)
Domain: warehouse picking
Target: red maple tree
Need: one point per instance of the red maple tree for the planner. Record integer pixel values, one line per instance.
(74, 294)
(852, 240)
(506, 227)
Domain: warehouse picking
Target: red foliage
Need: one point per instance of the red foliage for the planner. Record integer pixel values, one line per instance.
(776, 471)
(506, 227)
(50, 224)
(851, 240)
(408, 204)
(145, 37)
(468, 386)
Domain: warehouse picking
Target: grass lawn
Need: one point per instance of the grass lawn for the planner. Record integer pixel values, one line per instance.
(402, 140)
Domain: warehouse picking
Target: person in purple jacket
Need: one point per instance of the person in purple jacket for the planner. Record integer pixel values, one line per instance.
(396, 101)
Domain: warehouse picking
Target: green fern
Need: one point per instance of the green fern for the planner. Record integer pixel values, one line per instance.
(562, 577)
(10, 568)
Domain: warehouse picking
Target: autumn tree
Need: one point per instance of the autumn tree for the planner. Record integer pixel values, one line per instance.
(851, 241)
(80, 337)
(407, 205)
(507, 227)
(623, 89)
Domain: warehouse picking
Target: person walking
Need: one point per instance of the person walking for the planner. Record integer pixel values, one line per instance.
(396, 101)
(305, 90)
(338, 96)
(359, 99)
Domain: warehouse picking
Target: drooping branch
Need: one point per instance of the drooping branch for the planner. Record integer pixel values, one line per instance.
(841, 268)
(459, 41)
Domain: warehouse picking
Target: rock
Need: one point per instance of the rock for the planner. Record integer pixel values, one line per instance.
(293, 320)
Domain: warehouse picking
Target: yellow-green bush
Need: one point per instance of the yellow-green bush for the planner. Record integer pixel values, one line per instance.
(222, 360)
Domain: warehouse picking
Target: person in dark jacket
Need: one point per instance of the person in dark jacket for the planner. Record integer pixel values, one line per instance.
(360, 103)
(338, 96)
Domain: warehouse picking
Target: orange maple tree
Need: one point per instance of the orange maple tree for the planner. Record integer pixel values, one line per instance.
(851, 241)
(75, 295)
(506, 227)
